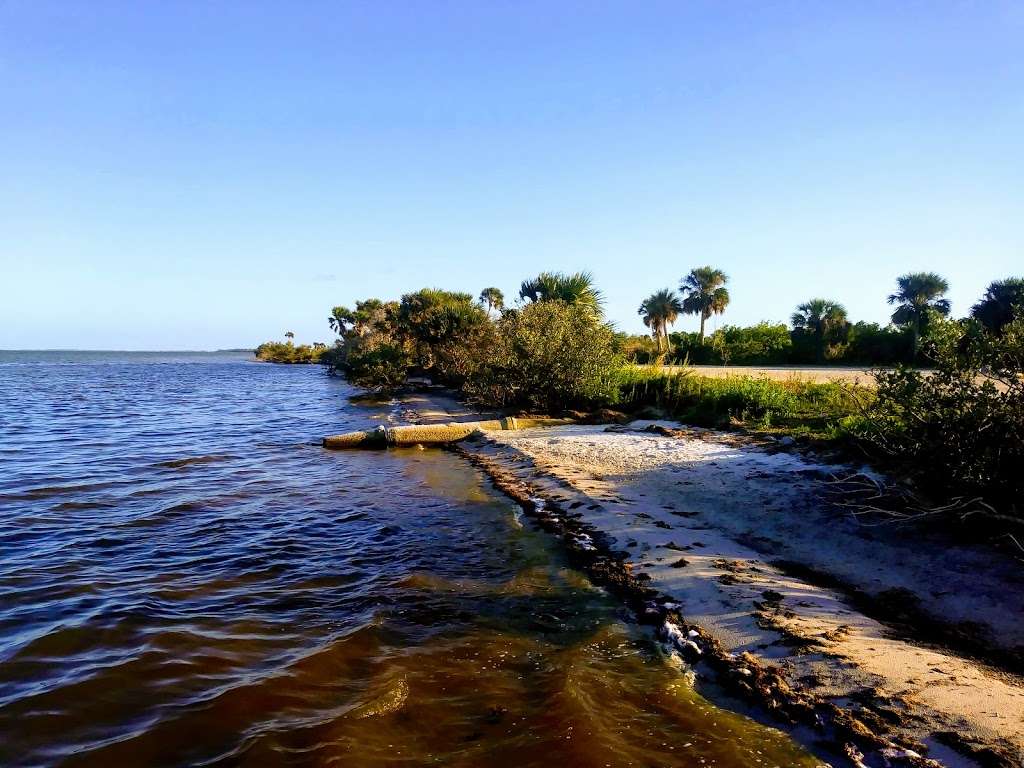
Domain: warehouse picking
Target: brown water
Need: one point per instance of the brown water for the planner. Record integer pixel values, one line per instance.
(187, 578)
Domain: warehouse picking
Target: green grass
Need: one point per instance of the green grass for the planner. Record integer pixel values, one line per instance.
(810, 409)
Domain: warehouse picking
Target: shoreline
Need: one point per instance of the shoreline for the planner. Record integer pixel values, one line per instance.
(846, 633)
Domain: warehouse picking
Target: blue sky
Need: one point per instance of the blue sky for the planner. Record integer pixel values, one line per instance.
(203, 175)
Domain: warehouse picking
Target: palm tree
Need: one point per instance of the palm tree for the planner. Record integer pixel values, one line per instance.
(823, 318)
(340, 319)
(1003, 300)
(918, 293)
(493, 299)
(704, 294)
(289, 335)
(659, 311)
(370, 316)
(577, 288)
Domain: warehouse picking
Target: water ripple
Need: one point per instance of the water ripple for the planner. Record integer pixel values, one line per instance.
(187, 578)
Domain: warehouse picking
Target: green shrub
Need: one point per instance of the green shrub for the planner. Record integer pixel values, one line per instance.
(873, 344)
(960, 429)
(687, 348)
(774, 344)
(431, 332)
(444, 332)
(381, 366)
(333, 357)
(286, 352)
(548, 356)
(761, 344)
(635, 348)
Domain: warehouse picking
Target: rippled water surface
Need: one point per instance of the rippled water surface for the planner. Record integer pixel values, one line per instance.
(187, 578)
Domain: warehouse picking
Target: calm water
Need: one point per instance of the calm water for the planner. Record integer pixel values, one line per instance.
(187, 578)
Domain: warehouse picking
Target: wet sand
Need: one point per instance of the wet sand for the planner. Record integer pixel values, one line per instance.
(921, 638)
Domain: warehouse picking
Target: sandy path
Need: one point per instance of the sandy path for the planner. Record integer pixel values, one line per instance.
(438, 406)
(706, 521)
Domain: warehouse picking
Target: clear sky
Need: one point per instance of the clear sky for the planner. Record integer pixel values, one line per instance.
(179, 175)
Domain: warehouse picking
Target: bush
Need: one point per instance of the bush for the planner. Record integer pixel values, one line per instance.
(764, 343)
(431, 332)
(381, 366)
(761, 344)
(548, 356)
(445, 332)
(959, 430)
(872, 344)
(333, 357)
(687, 348)
(804, 350)
(636, 348)
(286, 352)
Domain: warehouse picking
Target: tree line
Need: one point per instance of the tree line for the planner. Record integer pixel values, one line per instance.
(552, 350)
(959, 430)
(820, 330)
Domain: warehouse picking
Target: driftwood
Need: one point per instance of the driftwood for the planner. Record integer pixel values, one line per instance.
(873, 502)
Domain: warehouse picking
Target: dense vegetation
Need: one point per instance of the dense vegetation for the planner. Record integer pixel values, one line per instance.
(845, 343)
(553, 351)
(959, 429)
(549, 356)
(287, 352)
(820, 332)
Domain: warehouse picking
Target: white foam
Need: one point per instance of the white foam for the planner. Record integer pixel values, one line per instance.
(675, 636)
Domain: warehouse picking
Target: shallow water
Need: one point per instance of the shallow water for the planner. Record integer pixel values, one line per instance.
(187, 578)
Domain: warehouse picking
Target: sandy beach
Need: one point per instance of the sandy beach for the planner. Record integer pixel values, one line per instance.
(919, 637)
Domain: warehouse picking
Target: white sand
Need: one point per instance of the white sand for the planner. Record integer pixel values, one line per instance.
(733, 510)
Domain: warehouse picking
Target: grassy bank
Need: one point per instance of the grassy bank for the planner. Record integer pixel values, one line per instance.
(816, 410)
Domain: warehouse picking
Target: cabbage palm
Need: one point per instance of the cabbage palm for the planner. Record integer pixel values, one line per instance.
(660, 310)
(822, 318)
(341, 318)
(492, 298)
(1002, 300)
(370, 316)
(577, 288)
(704, 294)
(918, 293)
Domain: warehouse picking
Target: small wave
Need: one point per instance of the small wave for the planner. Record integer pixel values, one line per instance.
(73, 506)
(179, 463)
(391, 700)
(45, 491)
(166, 513)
